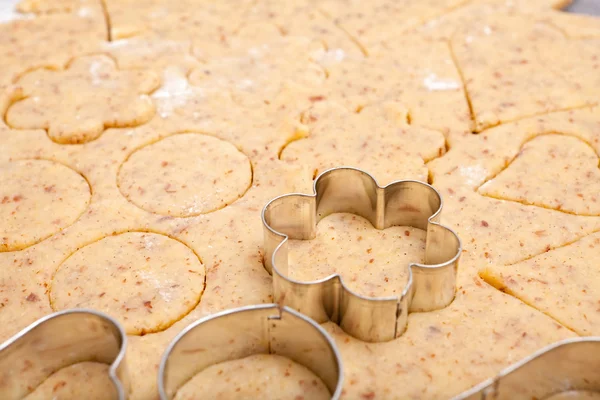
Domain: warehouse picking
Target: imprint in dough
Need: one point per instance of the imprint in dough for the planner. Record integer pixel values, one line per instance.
(260, 376)
(145, 280)
(185, 175)
(77, 104)
(563, 283)
(372, 262)
(38, 198)
(551, 171)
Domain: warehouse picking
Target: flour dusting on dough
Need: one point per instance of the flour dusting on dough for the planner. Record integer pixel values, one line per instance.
(434, 83)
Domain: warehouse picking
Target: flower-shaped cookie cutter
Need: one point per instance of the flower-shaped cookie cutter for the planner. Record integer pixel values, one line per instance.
(57, 341)
(572, 364)
(241, 332)
(430, 286)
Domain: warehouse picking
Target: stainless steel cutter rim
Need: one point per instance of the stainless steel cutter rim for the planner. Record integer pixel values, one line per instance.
(338, 276)
(338, 358)
(488, 386)
(112, 370)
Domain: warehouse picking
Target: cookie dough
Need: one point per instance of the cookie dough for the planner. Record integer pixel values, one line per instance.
(185, 175)
(293, 89)
(563, 283)
(514, 81)
(38, 198)
(147, 281)
(76, 105)
(378, 139)
(260, 71)
(373, 268)
(259, 376)
(568, 182)
(420, 74)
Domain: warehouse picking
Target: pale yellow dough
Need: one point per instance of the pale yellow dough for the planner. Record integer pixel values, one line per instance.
(575, 395)
(567, 176)
(392, 151)
(563, 283)
(84, 95)
(185, 175)
(38, 198)
(260, 376)
(84, 380)
(246, 100)
(374, 268)
(154, 280)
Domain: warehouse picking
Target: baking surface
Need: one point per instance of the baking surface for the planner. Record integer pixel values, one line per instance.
(141, 138)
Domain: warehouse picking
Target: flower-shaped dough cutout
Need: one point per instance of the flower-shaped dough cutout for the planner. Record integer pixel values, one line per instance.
(568, 182)
(377, 139)
(365, 257)
(77, 104)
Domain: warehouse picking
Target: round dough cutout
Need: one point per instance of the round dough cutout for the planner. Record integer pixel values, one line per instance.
(185, 175)
(145, 280)
(38, 198)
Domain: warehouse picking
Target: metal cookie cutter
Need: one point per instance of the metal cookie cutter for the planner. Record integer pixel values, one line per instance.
(430, 286)
(572, 364)
(57, 341)
(241, 332)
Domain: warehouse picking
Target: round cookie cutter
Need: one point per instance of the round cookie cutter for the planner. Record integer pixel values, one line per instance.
(241, 332)
(57, 341)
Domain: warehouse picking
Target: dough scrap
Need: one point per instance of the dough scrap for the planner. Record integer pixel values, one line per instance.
(366, 266)
(259, 72)
(393, 150)
(516, 81)
(304, 18)
(568, 182)
(47, 42)
(263, 376)
(76, 105)
(153, 281)
(56, 6)
(430, 360)
(38, 198)
(184, 175)
(563, 283)
(175, 20)
(418, 73)
(504, 232)
(182, 107)
(155, 54)
(383, 19)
